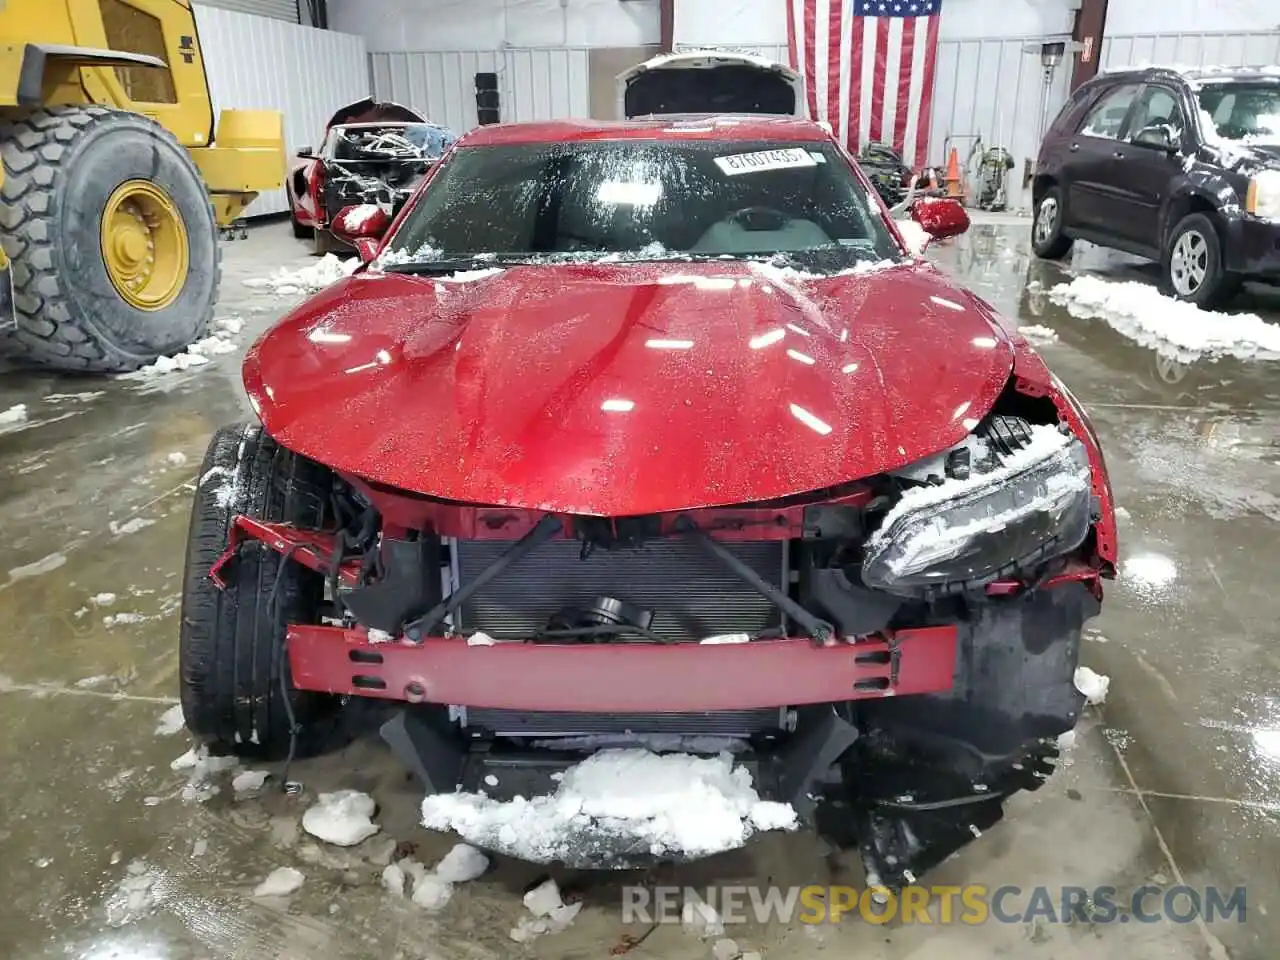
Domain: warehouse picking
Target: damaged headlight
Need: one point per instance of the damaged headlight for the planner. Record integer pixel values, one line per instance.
(963, 533)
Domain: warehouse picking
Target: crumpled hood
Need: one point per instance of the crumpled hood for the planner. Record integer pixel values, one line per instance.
(628, 389)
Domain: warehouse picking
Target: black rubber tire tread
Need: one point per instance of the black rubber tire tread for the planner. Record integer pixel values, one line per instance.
(231, 646)
(1217, 287)
(1060, 244)
(40, 150)
(300, 231)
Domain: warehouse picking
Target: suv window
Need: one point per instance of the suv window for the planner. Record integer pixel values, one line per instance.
(1107, 118)
(1158, 106)
(1249, 112)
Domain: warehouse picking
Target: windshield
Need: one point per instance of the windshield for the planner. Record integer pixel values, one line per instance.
(432, 140)
(646, 200)
(1249, 113)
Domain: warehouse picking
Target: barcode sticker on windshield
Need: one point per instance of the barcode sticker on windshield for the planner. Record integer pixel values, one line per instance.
(765, 160)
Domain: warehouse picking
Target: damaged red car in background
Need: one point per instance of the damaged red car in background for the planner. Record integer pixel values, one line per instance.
(649, 430)
(373, 152)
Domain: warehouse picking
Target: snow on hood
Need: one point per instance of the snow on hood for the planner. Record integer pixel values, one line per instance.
(1172, 327)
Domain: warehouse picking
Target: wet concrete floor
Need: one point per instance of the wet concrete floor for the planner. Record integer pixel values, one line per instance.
(1173, 781)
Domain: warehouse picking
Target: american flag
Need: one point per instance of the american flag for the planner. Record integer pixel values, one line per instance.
(868, 67)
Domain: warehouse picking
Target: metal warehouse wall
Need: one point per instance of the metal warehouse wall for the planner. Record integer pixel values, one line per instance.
(533, 84)
(1193, 49)
(278, 9)
(257, 63)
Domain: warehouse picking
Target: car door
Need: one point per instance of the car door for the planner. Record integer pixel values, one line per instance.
(1148, 167)
(1093, 159)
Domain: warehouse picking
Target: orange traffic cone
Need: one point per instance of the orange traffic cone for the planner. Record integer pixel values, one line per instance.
(952, 178)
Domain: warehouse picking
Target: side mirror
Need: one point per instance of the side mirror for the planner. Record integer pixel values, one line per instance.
(362, 226)
(1158, 135)
(940, 217)
(305, 153)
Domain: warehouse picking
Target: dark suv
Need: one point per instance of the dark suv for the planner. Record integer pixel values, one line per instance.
(1182, 167)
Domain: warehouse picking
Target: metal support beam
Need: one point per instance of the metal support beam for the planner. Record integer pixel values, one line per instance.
(1090, 28)
(667, 25)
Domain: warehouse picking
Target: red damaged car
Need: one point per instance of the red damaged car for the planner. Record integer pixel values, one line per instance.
(603, 393)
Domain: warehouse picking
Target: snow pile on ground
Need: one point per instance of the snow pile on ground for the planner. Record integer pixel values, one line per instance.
(15, 414)
(134, 896)
(176, 459)
(1174, 327)
(432, 890)
(119, 529)
(1038, 334)
(1093, 685)
(672, 803)
(315, 276)
(106, 600)
(171, 721)
(201, 768)
(249, 781)
(700, 918)
(221, 341)
(342, 818)
(280, 882)
(548, 913)
(42, 566)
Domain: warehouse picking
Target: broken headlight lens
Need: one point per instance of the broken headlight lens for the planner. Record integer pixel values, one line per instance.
(962, 534)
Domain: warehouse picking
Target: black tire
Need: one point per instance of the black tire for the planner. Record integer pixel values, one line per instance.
(231, 647)
(1200, 233)
(300, 231)
(324, 242)
(1051, 243)
(61, 165)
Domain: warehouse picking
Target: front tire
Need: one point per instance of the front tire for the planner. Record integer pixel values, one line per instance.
(1047, 238)
(231, 650)
(113, 242)
(300, 231)
(1191, 268)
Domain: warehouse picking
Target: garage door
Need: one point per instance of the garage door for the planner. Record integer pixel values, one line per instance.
(276, 9)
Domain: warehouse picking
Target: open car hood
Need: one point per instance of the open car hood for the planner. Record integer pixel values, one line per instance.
(369, 110)
(708, 81)
(630, 389)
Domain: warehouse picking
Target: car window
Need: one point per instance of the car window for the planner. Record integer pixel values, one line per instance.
(1158, 106)
(1106, 119)
(1249, 113)
(647, 199)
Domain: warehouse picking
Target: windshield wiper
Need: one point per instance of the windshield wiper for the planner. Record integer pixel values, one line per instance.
(447, 265)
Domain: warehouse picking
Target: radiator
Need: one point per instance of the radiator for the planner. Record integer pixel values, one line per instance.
(693, 595)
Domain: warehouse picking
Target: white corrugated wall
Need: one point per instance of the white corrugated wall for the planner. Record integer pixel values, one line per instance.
(533, 84)
(256, 63)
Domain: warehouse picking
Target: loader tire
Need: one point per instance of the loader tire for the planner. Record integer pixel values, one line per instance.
(231, 652)
(65, 167)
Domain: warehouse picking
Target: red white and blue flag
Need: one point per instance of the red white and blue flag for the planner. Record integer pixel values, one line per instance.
(868, 67)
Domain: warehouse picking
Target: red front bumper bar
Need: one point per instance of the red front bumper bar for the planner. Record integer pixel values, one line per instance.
(622, 677)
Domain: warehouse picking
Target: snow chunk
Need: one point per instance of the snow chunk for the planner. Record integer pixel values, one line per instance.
(393, 879)
(379, 636)
(1035, 333)
(462, 864)
(1173, 327)
(103, 599)
(129, 526)
(248, 781)
(202, 768)
(15, 414)
(914, 235)
(550, 914)
(669, 802)
(176, 459)
(129, 616)
(1094, 686)
(219, 342)
(44, 565)
(309, 279)
(543, 899)
(361, 214)
(432, 892)
(341, 818)
(171, 721)
(88, 683)
(280, 882)
(1066, 741)
(727, 638)
(700, 919)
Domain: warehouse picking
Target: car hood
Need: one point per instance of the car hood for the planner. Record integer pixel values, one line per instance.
(369, 110)
(628, 389)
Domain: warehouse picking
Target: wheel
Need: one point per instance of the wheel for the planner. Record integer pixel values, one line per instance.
(1191, 268)
(231, 654)
(300, 231)
(1047, 238)
(324, 242)
(112, 237)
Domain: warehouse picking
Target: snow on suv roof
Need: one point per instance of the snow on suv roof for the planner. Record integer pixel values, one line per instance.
(693, 127)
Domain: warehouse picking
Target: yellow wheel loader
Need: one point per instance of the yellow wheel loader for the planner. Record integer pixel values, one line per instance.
(115, 181)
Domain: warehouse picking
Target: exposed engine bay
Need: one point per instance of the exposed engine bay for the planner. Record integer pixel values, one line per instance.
(380, 163)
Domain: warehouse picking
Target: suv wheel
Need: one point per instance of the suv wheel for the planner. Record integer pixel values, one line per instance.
(1192, 267)
(1047, 239)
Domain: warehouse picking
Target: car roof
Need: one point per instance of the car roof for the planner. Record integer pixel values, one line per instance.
(728, 127)
(1193, 74)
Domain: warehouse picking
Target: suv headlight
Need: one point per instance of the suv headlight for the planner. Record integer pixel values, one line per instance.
(1263, 197)
(967, 533)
